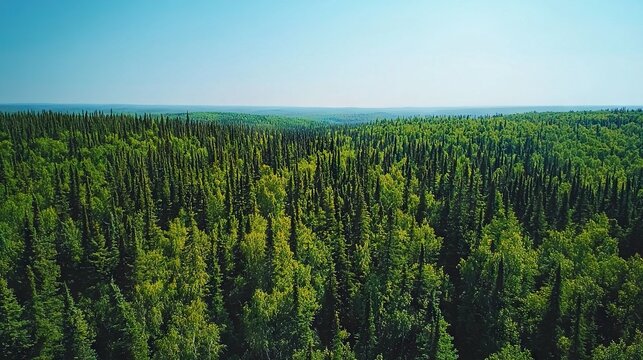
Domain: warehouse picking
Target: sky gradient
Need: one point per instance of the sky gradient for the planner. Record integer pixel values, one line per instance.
(322, 53)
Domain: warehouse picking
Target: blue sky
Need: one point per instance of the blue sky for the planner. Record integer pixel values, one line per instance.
(322, 53)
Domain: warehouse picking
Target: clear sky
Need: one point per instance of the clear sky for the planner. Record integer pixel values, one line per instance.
(322, 53)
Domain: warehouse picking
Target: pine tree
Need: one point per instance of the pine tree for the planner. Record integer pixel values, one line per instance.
(15, 338)
(214, 293)
(77, 339)
(27, 259)
(326, 318)
(551, 321)
(577, 349)
(120, 334)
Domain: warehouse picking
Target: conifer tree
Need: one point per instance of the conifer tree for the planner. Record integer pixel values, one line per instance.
(77, 339)
(15, 337)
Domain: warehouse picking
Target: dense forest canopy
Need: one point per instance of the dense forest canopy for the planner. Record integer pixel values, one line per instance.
(502, 237)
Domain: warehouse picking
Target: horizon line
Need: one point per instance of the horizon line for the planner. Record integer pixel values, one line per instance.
(605, 106)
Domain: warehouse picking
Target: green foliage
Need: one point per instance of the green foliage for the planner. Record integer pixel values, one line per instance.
(257, 237)
(496, 276)
(511, 352)
(15, 339)
(77, 338)
(620, 350)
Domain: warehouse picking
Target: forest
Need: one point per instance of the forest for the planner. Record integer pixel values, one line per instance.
(448, 237)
